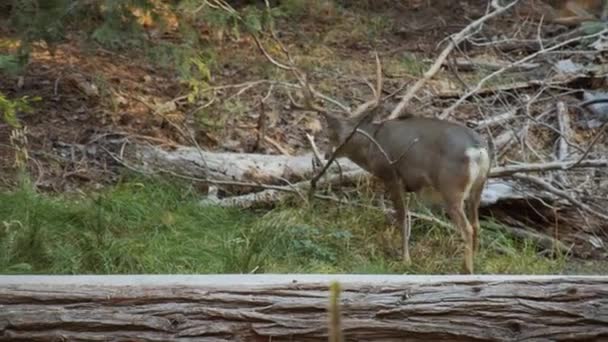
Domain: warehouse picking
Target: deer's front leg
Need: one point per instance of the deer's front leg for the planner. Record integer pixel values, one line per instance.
(401, 204)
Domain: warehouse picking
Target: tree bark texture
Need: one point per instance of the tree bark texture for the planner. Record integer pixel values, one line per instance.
(244, 167)
(294, 308)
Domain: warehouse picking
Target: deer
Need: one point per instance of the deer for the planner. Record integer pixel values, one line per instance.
(440, 160)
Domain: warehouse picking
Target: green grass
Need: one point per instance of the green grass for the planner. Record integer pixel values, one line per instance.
(156, 226)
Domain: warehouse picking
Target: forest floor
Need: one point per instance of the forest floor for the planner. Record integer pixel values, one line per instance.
(89, 215)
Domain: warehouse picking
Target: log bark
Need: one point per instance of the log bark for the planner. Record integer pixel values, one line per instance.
(244, 167)
(294, 308)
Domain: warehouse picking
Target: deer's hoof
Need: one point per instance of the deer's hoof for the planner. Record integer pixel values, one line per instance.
(466, 270)
(406, 259)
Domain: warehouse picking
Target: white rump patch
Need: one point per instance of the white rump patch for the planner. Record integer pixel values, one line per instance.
(479, 165)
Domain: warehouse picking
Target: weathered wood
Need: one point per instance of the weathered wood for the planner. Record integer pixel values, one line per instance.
(244, 167)
(293, 308)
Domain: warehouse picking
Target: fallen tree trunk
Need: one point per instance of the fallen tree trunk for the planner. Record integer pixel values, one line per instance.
(294, 308)
(244, 167)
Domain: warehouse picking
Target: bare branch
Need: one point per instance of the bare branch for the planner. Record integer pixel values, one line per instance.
(563, 194)
(564, 127)
(273, 194)
(315, 150)
(454, 40)
(540, 167)
(269, 56)
(588, 150)
(494, 120)
(526, 59)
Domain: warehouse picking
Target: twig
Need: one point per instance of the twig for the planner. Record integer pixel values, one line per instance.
(494, 120)
(543, 240)
(276, 145)
(479, 85)
(300, 76)
(271, 194)
(386, 156)
(465, 64)
(565, 129)
(588, 150)
(315, 150)
(539, 167)
(453, 42)
(563, 194)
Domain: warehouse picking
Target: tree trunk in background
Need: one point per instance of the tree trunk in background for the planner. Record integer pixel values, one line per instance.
(293, 308)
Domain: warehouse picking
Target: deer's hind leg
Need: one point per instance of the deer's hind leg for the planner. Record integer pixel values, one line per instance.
(401, 204)
(454, 201)
(472, 211)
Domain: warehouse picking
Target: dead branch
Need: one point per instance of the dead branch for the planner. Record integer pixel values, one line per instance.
(274, 194)
(526, 59)
(543, 240)
(453, 41)
(466, 64)
(566, 132)
(518, 85)
(505, 171)
(593, 142)
(495, 120)
(318, 159)
(506, 139)
(282, 149)
(563, 194)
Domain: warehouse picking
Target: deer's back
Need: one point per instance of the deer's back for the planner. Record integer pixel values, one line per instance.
(428, 152)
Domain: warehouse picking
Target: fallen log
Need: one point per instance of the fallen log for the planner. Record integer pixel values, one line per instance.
(244, 167)
(294, 308)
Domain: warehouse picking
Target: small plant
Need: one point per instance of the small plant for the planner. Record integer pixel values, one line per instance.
(10, 108)
(378, 25)
(197, 73)
(10, 64)
(412, 65)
